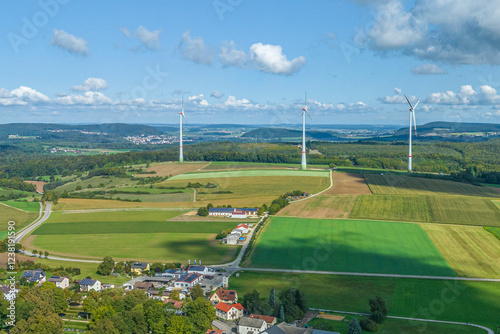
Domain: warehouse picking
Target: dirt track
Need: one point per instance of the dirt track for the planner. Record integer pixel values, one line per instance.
(348, 184)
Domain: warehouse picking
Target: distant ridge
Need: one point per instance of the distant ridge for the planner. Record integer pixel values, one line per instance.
(271, 134)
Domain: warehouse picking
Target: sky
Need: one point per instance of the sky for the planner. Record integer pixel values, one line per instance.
(249, 62)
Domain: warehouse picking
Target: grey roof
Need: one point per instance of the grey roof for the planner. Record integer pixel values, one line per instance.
(251, 322)
(34, 275)
(87, 281)
(56, 278)
(139, 265)
(221, 210)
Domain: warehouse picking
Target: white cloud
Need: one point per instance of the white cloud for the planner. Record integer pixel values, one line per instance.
(21, 96)
(398, 98)
(194, 49)
(216, 94)
(457, 32)
(149, 39)
(428, 69)
(70, 42)
(229, 56)
(91, 84)
(88, 98)
(466, 95)
(270, 58)
(198, 100)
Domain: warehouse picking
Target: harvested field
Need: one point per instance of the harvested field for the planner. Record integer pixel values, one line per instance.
(348, 184)
(39, 185)
(322, 206)
(471, 251)
(173, 168)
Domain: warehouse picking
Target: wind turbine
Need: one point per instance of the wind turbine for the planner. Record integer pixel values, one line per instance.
(412, 118)
(303, 165)
(181, 116)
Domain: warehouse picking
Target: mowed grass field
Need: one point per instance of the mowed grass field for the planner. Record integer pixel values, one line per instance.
(470, 250)
(348, 245)
(476, 302)
(321, 206)
(24, 205)
(250, 173)
(173, 168)
(406, 185)
(494, 230)
(463, 210)
(21, 217)
(137, 235)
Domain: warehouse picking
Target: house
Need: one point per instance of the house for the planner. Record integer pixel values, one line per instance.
(174, 273)
(35, 276)
(188, 281)
(284, 328)
(88, 284)
(60, 281)
(148, 287)
(224, 296)
(229, 312)
(107, 286)
(270, 321)
(232, 239)
(243, 228)
(175, 303)
(248, 325)
(220, 212)
(202, 270)
(249, 212)
(139, 267)
(236, 232)
(239, 214)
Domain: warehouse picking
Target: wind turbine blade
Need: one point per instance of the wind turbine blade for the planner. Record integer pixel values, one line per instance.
(408, 102)
(184, 116)
(415, 121)
(416, 104)
(307, 113)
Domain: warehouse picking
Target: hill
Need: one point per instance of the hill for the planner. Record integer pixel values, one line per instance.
(278, 134)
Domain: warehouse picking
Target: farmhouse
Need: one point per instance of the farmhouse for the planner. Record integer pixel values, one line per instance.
(232, 212)
(225, 296)
(88, 284)
(60, 281)
(270, 321)
(248, 325)
(243, 228)
(188, 281)
(229, 312)
(220, 212)
(35, 276)
(139, 267)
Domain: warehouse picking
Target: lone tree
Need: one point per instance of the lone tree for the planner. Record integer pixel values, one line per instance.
(354, 327)
(46, 254)
(106, 267)
(203, 211)
(272, 298)
(378, 309)
(282, 313)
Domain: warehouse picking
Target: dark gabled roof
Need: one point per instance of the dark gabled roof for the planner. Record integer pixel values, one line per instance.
(197, 268)
(56, 278)
(189, 278)
(139, 265)
(34, 275)
(251, 322)
(229, 210)
(87, 281)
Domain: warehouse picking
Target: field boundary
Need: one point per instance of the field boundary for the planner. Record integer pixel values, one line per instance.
(322, 191)
(13, 207)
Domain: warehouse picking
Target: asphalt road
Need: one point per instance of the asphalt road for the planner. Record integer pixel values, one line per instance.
(25, 231)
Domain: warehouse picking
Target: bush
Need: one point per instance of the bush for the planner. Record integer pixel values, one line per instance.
(368, 325)
(221, 235)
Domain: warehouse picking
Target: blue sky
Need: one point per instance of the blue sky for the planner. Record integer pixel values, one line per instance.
(241, 61)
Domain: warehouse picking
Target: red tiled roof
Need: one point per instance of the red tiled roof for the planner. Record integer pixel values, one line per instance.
(176, 303)
(226, 308)
(242, 225)
(266, 318)
(226, 294)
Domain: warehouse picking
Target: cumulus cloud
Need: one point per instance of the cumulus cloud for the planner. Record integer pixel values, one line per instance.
(270, 58)
(69, 42)
(230, 56)
(456, 32)
(428, 69)
(198, 100)
(216, 94)
(91, 84)
(398, 98)
(149, 39)
(195, 49)
(21, 96)
(88, 98)
(466, 95)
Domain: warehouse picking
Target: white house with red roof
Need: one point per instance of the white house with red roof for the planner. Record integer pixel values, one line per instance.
(229, 312)
(243, 228)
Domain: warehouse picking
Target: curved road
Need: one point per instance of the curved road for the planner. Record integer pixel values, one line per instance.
(39, 221)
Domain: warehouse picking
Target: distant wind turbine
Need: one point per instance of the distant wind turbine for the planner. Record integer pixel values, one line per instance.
(412, 118)
(181, 116)
(303, 165)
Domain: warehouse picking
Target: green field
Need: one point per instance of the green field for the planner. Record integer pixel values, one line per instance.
(418, 208)
(476, 302)
(97, 182)
(494, 230)
(112, 216)
(22, 218)
(24, 205)
(221, 165)
(348, 245)
(405, 185)
(249, 173)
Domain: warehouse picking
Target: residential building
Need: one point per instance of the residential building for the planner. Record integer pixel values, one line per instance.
(224, 296)
(249, 212)
(107, 286)
(229, 312)
(188, 281)
(88, 284)
(270, 321)
(35, 276)
(232, 239)
(248, 325)
(174, 273)
(202, 270)
(239, 214)
(60, 281)
(243, 228)
(148, 287)
(220, 212)
(139, 267)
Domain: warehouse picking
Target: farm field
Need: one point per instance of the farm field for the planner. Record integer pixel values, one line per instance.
(173, 168)
(156, 198)
(24, 205)
(255, 189)
(228, 165)
(22, 218)
(348, 245)
(471, 251)
(461, 210)
(99, 182)
(494, 230)
(348, 184)
(112, 216)
(476, 302)
(38, 184)
(405, 185)
(321, 206)
(249, 173)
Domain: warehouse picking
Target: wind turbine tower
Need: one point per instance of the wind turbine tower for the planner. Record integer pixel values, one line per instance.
(412, 119)
(303, 164)
(181, 116)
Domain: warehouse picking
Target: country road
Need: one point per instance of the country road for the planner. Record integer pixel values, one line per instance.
(39, 221)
